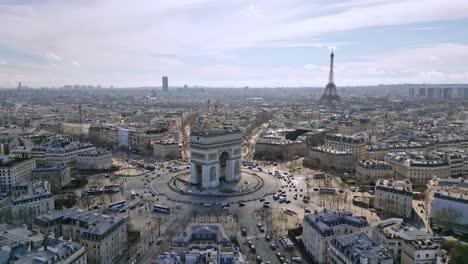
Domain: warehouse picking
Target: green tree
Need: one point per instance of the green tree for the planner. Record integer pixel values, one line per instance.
(457, 252)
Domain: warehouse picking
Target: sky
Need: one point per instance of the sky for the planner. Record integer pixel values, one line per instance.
(232, 43)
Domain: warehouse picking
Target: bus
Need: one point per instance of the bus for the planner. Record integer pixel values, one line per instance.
(133, 194)
(117, 205)
(161, 209)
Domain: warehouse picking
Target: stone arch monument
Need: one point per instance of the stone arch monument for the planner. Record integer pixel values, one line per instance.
(215, 157)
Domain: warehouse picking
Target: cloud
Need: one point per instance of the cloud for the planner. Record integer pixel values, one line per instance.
(75, 63)
(53, 56)
(134, 44)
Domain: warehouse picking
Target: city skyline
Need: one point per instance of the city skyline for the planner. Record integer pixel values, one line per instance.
(232, 43)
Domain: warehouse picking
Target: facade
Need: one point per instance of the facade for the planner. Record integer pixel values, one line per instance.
(448, 199)
(351, 127)
(124, 137)
(30, 199)
(215, 157)
(205, 243)
(95, 160)
(145, 139)
(326, 158)
(14, 171)
(316, 138)
(57, 177)
(63, 156)
(369, 171)
(418, 167)
(353, 144)
(319, 229)
(104, 236)
(391, 233)
(104, 135)
(358, 248)
(378, 152)
(165, 84)
(394, 197)
(421, 251)
(279, 149)
(166, 150)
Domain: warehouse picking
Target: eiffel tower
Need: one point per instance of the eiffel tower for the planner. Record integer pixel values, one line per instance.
(330, 95)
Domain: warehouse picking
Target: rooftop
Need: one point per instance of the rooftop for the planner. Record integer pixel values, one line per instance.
(359, 245)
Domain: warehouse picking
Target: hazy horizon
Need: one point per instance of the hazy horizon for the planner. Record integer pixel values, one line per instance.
(232, 43)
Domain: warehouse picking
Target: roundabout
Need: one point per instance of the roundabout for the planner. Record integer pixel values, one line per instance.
(251, 186)
(129, 172)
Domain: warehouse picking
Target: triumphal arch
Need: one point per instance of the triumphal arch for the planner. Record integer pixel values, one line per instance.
(215, 157)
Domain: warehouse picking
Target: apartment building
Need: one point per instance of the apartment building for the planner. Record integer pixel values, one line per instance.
(394, 197)
(104, 236)
(319, 229)
(14, 171)
(95, 160)
(369, 171)
(166, 150)
(31, 199)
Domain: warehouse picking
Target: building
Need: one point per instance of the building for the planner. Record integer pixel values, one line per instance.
(104, 236)
(165, 84)
(319, 229)
(394, 197)
(369, 171)
(215, 156)
(104, 135)
(447, 204)
(166, 150)
(14, 171)
(23, 246)
(331, 159)
(145, 139)
(358, 248)
(353, 126)
(38, 153)
(378, 152)
(75, 129)
(421, 251)
(354, 144)
(30, 199)
(391, 233)
(57, 177)
(205, 243)
(279, 149)
(124, 137)
(315, 138)
(418, 167)
(95, 160)
(66, 155)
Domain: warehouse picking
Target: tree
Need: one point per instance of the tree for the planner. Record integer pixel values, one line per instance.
(447, 217)
(457, 252)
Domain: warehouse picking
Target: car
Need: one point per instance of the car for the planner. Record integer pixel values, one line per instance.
(244, 232)
(288, 201)
(259, 225)
(262, 200)
(297, 259)
(307, 210)
(262, 229)
(267, 238)
(259, 259)
(279, 255)
(153, 194)
(241, 204)
(252, 249)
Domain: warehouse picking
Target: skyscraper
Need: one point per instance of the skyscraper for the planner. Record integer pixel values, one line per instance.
(165, 84)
